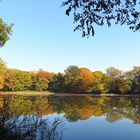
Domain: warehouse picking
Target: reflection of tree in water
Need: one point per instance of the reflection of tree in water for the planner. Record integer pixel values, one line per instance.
(113, 108)
(28, 127)
(73, 107)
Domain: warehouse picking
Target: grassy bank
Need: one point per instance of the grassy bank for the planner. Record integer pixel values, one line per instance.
(47, 93)
(27, 93)
(98, 95)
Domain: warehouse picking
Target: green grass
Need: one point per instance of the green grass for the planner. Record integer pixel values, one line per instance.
(27, 93)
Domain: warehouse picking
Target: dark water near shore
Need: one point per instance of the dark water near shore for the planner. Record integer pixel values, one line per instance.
(77, 117)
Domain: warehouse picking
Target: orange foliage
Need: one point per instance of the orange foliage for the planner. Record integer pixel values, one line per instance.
(85, 79)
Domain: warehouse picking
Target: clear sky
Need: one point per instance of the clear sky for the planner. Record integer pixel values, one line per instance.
(43, 37)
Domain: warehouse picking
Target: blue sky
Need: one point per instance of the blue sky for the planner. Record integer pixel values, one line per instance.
(43, 37)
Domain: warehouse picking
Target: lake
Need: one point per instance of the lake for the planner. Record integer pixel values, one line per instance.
(69, 117)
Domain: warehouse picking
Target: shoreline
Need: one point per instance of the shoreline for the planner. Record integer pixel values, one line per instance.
(97, 95)
(47, 93)
(27, 93)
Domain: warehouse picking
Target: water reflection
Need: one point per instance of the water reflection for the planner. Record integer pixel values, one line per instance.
(31, 127)
(73, 107)
(20, 123)
(82, 108)
(25, 116)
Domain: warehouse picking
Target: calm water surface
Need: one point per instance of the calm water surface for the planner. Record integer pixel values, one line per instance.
(70, 117)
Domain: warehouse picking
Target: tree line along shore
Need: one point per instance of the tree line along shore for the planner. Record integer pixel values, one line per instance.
(72, 80)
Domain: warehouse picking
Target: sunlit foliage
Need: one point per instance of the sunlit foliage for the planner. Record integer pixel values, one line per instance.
(40, 80)
(72, 74)
(98, 84)
(134, 77)
(5, 32)
(116, 81)
(85, 80)
(73, 80)
(16, 80)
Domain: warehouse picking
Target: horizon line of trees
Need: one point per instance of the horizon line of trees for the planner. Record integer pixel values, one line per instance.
(72, 80)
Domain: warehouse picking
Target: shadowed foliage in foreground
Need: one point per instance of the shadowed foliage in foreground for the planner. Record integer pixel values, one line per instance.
(29, 127)
(88, 13)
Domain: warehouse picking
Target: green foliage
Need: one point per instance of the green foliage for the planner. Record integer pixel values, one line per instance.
(5, 32)
(10, 80)
(74, 107)
(98, 85)
(72, 73)
(2, 65)
(40, 80)
(1, 79)
(134, 77)
(16, 80)
(57, 84)
(116, 81)
(73, 80)
(82, 80)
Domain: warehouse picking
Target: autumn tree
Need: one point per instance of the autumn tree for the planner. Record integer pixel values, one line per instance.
(74, 80)
(10, 80)
(23, 79)
(57, 84)
(5, 32)
(116, 81)
(98, 84)
(2, 65)
(16, 80)
(136, 80)
(3, 68)
(1, 79)
(88, 13)
(72, 73)
(134, 77)
(85, 80)
(40, 80)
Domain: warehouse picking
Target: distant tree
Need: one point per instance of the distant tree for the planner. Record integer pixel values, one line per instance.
(2, 65)
(134, 76)
(74, 80)
(72, 73)
(98, 84)
(1, 79)
(116, 81)
(40, 80)
(3, 68)
(5, 32)
(85, 80)
(88, 13)
(23, 79)
(57, 84)
(10, 80)
(16, 80)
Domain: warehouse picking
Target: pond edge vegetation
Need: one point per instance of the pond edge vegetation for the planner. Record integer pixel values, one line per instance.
(72, 80)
